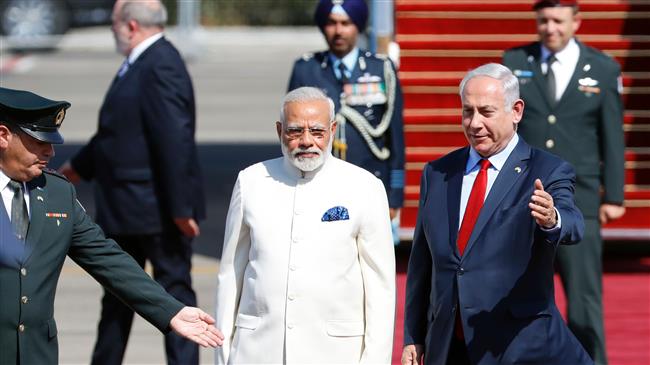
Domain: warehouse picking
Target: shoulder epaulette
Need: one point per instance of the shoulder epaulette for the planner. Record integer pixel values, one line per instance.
(50, 171)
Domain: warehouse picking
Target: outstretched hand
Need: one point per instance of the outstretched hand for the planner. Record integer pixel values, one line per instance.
(198, 326)
(541, 206)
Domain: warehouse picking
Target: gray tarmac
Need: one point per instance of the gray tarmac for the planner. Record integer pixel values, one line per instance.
(240, 76)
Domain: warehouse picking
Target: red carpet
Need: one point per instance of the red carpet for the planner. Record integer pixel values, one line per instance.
(626, 287)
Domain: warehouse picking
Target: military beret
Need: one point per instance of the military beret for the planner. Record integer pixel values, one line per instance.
(35, 115)
(357, 10)
(539, 4)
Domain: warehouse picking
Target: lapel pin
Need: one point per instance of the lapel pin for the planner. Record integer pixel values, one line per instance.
(39, 198)
(517, 169)
(587, 67)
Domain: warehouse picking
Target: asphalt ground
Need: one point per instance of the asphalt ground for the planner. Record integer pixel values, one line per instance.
(240, 76)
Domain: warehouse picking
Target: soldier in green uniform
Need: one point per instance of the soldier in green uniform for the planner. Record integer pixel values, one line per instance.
(41, 222)
(574, 110)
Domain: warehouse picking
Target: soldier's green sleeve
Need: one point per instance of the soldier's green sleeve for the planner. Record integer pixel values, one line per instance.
(118, 272)
(612, 140)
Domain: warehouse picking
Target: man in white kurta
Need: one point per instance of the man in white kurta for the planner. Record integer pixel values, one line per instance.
(307, 273)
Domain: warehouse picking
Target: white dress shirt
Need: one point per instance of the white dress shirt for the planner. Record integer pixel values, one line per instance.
(8, 193)
(137, 50)
(563, 68)
(349, 60)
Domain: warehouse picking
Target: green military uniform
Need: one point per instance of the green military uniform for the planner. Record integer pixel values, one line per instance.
(59, 227)
(585, 128)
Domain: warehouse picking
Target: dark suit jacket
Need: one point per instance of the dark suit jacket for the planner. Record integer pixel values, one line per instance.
(316, 70)
(503, 283)
(59, 226)
(585, 127)
(143, 156)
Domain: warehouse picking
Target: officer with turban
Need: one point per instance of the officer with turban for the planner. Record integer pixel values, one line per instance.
(366, 92)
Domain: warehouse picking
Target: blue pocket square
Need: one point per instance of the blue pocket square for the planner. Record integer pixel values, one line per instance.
(335, 214)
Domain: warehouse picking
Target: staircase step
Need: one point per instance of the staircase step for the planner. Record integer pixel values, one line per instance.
(452, 116)
(636, 217)
(509, 5)
(633, 176)
(452, 78)
(634, 97)
(437, 135)
(501, 42)
(634, 60)
(512, 22)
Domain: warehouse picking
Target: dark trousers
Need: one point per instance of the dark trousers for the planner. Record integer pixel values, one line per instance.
(457, 352)
(581, 271)
(170, 255)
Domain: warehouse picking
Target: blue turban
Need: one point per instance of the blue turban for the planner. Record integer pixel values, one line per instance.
(357, 10)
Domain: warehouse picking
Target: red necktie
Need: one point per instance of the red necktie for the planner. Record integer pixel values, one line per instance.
(473, 208)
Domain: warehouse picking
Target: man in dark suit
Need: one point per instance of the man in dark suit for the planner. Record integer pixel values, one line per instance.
(143, 158)
(366, 94)
(479, 287)
(574, 110)
(41, 222)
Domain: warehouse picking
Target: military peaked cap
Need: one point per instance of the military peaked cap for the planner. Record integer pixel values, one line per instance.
(35, 115)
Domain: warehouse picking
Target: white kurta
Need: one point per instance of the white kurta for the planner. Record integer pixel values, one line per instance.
(294, 289)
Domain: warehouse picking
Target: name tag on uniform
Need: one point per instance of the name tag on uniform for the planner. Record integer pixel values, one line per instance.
(365, 93)
(524, 76)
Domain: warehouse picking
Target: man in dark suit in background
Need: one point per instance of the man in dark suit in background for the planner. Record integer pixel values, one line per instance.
(479, 287)
(41, 222)
(574, 110)
(143, 158)
(366, 93)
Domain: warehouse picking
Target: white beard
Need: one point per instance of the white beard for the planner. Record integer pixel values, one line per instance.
(307, 163)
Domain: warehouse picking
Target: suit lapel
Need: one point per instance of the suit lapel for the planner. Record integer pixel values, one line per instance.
(454, 188)
(37, 202)
(512, 170)
(535, 61)
(328, 72)
(118, 81)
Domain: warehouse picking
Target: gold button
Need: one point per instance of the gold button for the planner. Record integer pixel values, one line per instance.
(23, 271)
(550, 143)
(21, 328)
(552, 119)
(24, 299)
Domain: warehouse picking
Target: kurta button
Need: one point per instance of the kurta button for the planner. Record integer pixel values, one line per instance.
(292, 267)
(23, 271)
(21, 327)
(291, 297)
(550, 143)
(24, 299)
(290, 326)
(552, 119)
